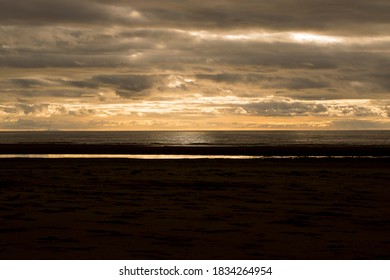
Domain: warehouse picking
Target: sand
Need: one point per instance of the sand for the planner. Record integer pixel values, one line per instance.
(288, 150)
(194, 209)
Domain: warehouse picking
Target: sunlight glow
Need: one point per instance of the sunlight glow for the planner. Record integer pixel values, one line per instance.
(196, 105)
(314, 38)
(264, 36)
(272, 37)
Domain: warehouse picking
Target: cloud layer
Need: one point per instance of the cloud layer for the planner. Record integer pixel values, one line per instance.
(105, 64)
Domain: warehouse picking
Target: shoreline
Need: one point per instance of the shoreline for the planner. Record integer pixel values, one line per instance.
(288, 150)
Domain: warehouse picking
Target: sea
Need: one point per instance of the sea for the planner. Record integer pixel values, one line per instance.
(199, 138)
(195, 139)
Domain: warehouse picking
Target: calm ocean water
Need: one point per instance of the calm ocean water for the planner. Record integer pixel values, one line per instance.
(206, 138)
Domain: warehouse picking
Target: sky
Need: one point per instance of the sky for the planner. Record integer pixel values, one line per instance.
(194, 64)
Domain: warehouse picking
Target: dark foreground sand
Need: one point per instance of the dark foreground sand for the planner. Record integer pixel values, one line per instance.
(194, 209)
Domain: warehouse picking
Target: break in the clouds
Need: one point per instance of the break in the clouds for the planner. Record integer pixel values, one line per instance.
(113, 64)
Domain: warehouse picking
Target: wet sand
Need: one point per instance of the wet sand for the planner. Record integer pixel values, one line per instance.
(194, 209)
(287, 150)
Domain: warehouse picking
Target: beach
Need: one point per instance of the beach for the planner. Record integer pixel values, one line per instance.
(305, 208)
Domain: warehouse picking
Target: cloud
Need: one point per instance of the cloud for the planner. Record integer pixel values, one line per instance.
(26, 83)
(151, 50)
(73, 12)
(335, 15)
(342, 17)
(36, 110)
(360, 124)
(266, 81)
(126, 86)
(296, 83)
(49, 124)
(194, 59)
(284, 107)
(81, 87)
(25, 124)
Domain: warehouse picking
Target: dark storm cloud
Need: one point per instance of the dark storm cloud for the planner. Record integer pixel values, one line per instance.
(296, 83)
(336, 15)
(26, 83)
(44, 87)
(284, 108)
(237, 62)
(43, 12)
(42, 60)
(343, 16)
(266, 81)
(126, 86)
(382, 79)
(232, 78)
(279, 107)
(304, 66)
(19, 85)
